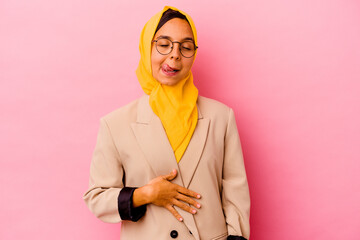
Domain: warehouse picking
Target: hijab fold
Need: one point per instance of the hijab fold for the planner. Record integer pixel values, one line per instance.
(174, 105)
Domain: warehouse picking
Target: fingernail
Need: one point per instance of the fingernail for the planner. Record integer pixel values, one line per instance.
(193, 211)
(180, 219)
(198, 196)
(198, 205)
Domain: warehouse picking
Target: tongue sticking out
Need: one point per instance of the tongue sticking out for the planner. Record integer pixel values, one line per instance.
(167, 68)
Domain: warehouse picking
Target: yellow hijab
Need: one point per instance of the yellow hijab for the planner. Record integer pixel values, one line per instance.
(174, 105)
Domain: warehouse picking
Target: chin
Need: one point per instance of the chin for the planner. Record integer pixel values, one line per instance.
(168, 82)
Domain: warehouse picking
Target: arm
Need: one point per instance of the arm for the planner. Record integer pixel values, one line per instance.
(111, 202)
(235, 192)
(106, 196)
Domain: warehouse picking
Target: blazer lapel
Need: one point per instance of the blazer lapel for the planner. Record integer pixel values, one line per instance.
(155, 145)
(152, 139)
(190, 160)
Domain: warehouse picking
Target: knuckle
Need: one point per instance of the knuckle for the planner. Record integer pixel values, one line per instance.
(189, 200)
(179, 196)
(191, 194)
(176, 214)
(185, 207)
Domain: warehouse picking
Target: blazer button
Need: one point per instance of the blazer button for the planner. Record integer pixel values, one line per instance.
(174, 234)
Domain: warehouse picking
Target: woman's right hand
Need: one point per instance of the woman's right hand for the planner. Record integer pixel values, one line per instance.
(160, 191)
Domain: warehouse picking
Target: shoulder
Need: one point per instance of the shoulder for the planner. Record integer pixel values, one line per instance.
(211, 108)
(123, 115)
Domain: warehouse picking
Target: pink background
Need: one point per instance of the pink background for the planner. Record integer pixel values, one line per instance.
(289, 69)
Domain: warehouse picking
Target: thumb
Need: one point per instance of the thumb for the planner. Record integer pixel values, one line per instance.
(171, 176)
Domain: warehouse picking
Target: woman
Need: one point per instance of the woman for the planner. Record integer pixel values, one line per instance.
(170, 164)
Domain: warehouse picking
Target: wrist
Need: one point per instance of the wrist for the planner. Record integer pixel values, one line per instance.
(141, 196)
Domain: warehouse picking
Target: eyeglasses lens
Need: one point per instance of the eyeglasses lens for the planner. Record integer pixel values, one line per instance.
(164, 46)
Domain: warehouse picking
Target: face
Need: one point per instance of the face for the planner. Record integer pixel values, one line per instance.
(171, 68)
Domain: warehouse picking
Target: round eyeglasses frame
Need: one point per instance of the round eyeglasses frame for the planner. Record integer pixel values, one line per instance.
(172, 47)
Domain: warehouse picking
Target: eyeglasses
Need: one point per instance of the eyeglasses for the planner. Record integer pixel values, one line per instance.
(164, 46)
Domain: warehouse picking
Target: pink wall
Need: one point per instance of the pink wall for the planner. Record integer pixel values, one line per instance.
(290, 70)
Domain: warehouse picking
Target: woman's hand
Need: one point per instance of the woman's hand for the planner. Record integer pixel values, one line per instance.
(161, 192)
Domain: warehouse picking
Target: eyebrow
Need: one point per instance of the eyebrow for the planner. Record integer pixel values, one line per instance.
(167, 37)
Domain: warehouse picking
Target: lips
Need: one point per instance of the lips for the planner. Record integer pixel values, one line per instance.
(169, 70)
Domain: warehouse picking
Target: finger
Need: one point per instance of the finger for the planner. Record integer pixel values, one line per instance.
(188, 200)
(188, 192)
(171, 176)
(174, 212)
(184, 206)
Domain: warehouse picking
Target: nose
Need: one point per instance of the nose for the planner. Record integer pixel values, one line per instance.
(175, 53)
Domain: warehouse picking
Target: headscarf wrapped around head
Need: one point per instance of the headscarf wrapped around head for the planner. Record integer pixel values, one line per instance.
(174, 105)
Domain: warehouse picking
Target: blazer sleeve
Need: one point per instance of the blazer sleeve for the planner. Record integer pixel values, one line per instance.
(106, 197)
(235, 191)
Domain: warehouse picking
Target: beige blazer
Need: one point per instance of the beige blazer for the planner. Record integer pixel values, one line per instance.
(132, 148)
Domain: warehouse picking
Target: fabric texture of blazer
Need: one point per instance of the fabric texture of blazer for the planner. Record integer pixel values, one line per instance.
(132, 148)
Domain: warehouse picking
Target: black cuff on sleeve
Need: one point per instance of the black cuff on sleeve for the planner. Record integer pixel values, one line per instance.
(232, 237)
(125, 205)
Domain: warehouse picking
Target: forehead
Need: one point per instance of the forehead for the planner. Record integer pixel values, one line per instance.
(176, 29)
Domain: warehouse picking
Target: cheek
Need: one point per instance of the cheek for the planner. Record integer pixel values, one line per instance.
(155, 60)
(188, 64)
